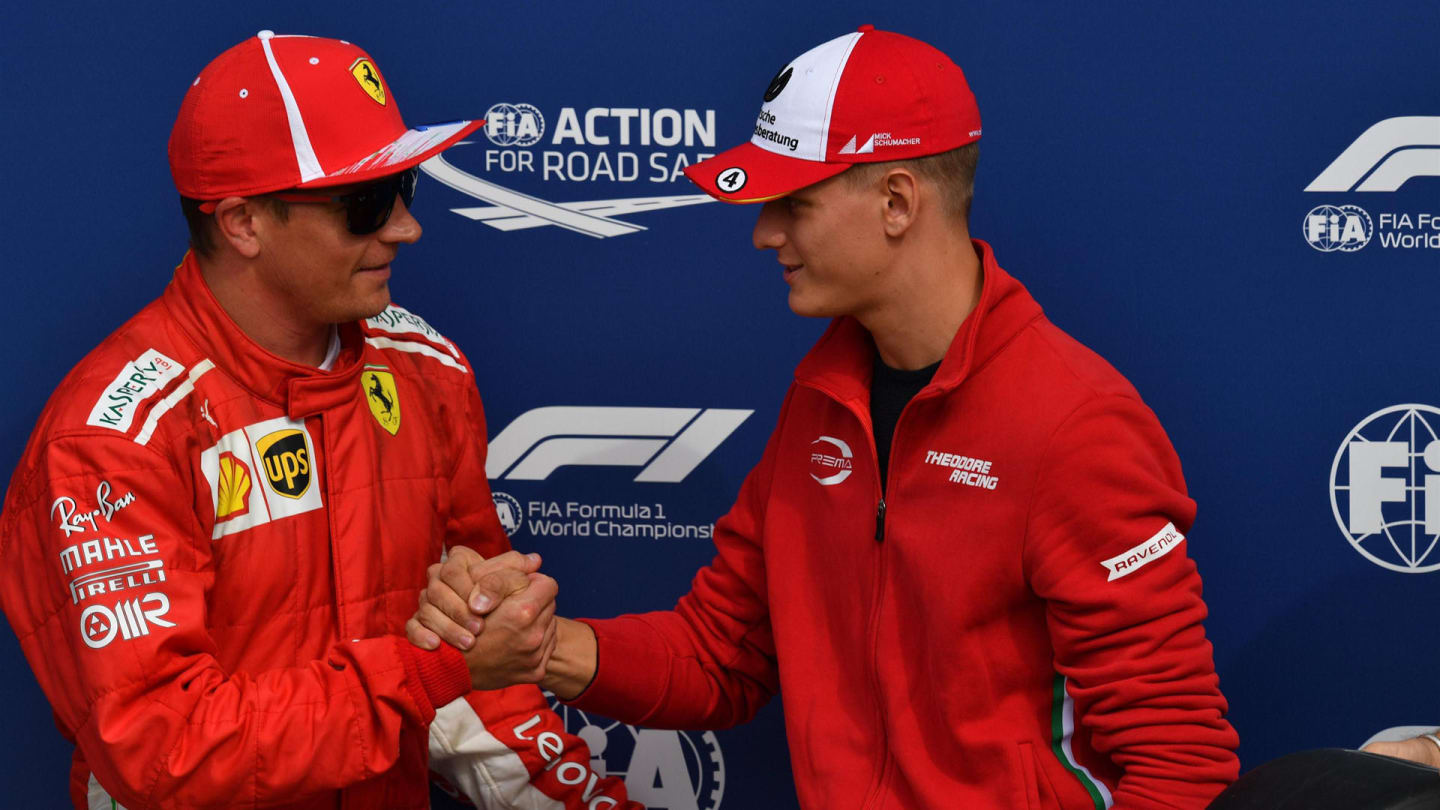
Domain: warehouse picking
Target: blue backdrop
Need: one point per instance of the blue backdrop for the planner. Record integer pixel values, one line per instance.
(1144, 171)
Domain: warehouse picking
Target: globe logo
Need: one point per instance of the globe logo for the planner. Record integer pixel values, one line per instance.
(1345, 228)
(1385, 488)
(677, 770)
(514, 125)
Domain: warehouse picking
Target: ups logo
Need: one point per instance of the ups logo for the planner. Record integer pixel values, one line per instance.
(287, 462)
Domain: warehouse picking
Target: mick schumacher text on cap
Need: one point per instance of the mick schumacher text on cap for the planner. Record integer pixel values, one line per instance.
(279, 112)
(865, 97)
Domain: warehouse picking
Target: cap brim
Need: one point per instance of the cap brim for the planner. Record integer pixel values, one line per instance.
(750, 174)
(416, 146)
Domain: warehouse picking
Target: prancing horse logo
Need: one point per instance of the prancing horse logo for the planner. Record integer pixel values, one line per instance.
(369, 80)
(381, 396)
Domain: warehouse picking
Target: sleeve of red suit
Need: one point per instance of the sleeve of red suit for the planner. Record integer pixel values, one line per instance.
(138, 686)
(506, 748)
(1105, 548)
(710, 663)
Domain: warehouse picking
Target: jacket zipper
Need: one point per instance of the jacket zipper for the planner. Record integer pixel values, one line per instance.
(874, 795)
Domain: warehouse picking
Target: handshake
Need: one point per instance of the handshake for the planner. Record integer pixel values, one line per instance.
(500, 613)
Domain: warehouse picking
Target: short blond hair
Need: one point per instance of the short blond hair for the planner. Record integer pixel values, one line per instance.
(953, 172)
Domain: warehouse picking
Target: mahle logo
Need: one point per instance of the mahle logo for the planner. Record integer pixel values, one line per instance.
(1385, 488)
(1345, 228)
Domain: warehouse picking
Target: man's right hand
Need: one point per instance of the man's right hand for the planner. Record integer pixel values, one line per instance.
(513, 641)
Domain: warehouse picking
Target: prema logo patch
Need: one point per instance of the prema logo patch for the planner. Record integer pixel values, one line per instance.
(827, 468)
(668, 442)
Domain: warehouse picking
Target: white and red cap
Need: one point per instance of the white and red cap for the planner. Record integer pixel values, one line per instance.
(278, 112)
(865, 97)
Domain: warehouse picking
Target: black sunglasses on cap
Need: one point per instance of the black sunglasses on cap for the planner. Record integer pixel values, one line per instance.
(367, 208)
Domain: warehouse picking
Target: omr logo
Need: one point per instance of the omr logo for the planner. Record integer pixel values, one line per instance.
(1385, 488)
(1390, 152)
(668, 442)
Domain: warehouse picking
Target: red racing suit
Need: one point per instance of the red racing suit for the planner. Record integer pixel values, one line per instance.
(1014, 624)
(208, 553)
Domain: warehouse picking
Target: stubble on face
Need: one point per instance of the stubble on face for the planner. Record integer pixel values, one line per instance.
(321, 273)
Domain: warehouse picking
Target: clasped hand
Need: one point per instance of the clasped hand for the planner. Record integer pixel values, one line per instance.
(504, 622)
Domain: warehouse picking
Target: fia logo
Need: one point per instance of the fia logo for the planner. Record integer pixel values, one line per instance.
(508, 510)
(514, 125)
(1345, 228)
(1385, 488)
(677, 770)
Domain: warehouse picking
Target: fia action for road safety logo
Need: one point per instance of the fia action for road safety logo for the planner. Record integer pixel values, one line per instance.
(382, 397)
(369, 79)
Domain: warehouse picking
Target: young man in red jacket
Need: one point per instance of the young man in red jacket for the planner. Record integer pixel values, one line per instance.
(961, 560)
(220, 523)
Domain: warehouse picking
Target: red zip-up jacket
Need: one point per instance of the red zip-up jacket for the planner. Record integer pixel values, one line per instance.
(207, 553)
(1014, 625)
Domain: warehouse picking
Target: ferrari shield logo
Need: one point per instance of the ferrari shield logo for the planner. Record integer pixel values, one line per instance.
(380, 394)
(369, 78)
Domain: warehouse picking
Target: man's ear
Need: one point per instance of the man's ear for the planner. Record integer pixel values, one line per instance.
(235, 218)
(902, 200)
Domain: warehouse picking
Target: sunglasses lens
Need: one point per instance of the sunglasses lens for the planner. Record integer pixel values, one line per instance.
(368, 209)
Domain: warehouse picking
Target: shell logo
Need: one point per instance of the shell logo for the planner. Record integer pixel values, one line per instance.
(233, 489)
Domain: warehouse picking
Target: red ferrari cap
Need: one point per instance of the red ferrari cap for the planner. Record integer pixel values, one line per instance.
(278, 112)
(865, 97)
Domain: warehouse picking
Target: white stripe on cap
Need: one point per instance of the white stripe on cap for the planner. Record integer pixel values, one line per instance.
(797, 122)
(304, 152)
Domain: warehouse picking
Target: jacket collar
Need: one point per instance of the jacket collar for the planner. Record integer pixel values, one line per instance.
(300, 390)
(841, 362)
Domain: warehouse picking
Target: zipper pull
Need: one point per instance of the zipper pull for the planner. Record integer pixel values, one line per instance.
(880, 522)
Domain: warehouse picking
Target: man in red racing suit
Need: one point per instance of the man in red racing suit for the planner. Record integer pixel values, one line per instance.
(215, 535)
(961, 561)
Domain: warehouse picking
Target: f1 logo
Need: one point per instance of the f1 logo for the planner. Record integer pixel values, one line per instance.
(1396, 148)
(668, 442)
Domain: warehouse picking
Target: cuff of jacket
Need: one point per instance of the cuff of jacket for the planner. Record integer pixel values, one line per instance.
(632, 669)
(434, 677)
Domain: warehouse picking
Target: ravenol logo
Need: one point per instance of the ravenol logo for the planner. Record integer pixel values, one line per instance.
(668, 442)
(1345, 228)
(679, 770)
(1385, 490)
